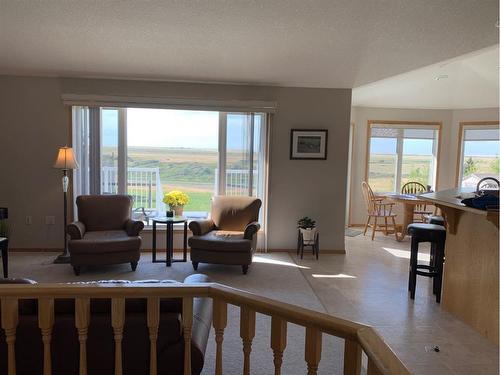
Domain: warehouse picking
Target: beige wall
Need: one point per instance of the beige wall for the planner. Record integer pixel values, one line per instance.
(34, 123)
(449, 141)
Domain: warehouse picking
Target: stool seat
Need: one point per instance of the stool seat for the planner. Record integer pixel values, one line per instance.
(417, 228)
(434, 219)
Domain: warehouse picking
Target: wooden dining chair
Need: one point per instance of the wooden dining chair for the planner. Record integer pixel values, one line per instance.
(422, 211)
(377, 209)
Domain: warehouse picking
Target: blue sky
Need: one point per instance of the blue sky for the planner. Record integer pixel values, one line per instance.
(173, 128)
(424, 147)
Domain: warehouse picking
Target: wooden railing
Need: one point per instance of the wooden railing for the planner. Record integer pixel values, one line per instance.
(358, 338)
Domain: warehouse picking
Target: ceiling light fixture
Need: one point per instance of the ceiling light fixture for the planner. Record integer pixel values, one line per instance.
(440, 77)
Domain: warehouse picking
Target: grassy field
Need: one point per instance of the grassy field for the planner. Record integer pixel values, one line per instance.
(415, 168)
(188, 170)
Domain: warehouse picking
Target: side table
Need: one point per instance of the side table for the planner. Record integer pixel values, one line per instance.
(170, 221)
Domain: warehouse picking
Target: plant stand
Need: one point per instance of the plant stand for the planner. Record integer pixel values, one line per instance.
(313, 244)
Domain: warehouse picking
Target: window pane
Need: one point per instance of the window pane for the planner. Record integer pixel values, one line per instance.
(382, 164)
(109, 151)
(480, 159)
(172, 150)
(238, 154)
(418, 161)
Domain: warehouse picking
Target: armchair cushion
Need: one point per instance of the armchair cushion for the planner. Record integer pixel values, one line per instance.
(221, 241)
(133, 227)
(201, 227)
(250, 230)
(76, 230)
(105, 241)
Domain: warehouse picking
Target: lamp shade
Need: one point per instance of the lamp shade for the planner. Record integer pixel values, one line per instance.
(65, 159)
(4, 213)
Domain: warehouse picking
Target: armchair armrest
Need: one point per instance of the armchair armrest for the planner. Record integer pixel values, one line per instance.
(133, 227)
(201, 227)
(250, 230)
(76, 230)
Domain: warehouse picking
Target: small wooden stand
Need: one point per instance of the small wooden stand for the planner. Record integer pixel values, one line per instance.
(314, 245)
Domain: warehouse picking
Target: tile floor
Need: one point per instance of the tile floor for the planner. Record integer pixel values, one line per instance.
(369, 285)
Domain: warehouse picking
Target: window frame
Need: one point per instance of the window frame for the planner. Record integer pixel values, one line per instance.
(405, 124)
(460, 147)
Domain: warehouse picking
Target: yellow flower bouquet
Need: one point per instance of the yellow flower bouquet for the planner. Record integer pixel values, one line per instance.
(176, 200)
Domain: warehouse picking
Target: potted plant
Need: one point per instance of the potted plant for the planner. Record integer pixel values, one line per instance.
(176, 200)
(307, 228)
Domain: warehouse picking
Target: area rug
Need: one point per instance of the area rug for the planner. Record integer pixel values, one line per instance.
(350, 232)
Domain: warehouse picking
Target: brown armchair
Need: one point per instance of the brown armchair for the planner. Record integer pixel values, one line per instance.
(230, 235)
(104, 233)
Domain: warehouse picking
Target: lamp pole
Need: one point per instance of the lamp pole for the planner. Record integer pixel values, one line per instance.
(64, 257)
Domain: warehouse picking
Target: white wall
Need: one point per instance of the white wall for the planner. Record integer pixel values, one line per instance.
(449, 141)
(34, 123)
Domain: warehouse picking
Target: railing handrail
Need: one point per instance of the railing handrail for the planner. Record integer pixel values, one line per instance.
(377, 350)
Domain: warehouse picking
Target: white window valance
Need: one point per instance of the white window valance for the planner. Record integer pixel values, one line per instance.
(170, 103)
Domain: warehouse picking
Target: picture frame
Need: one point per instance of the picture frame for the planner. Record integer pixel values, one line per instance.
(308, 144)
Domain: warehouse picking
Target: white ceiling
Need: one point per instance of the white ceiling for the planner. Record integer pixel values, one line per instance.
(312, 43)
(468, 81)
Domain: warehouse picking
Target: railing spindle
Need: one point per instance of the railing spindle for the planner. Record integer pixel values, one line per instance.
(247, 333)
(187, 326)
(313, 350)
(82, 320)
(117, 322)
(10, 319)
(278, 341)
(153, 323)
(219, 323)
(46, 323)
(372, 368)
(352, 357)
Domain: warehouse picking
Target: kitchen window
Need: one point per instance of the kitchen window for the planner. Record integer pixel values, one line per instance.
(398, 153)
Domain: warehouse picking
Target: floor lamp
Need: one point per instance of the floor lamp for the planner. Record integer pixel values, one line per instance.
(65, 161)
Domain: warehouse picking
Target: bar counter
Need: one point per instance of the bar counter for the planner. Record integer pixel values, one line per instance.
(470, 280)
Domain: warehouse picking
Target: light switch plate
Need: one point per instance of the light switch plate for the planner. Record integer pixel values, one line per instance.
(50, 220)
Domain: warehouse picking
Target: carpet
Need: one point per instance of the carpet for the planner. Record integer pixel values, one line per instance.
(274, 275)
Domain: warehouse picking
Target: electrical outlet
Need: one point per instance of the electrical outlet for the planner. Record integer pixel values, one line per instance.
(29, 220)
(50, 220)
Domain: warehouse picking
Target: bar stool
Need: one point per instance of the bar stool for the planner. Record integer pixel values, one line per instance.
(436, 235)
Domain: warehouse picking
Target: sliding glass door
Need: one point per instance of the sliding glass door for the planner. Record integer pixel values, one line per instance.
(148, 152)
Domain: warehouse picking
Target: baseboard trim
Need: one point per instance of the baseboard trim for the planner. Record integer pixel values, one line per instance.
(34, 249)
(162, 251)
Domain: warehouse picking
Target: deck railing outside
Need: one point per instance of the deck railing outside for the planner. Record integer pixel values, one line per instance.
(143, 184)
(237, 181)
(358, 338)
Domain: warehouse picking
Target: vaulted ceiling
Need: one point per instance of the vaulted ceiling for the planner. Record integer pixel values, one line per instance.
(311, 43)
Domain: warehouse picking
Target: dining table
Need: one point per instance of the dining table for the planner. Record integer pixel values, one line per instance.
(409, 201)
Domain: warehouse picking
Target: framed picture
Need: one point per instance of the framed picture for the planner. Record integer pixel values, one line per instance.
(308, 144)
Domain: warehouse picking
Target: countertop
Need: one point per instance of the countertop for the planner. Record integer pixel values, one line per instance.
(452, 198)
